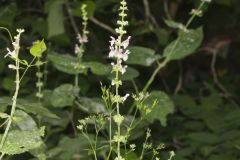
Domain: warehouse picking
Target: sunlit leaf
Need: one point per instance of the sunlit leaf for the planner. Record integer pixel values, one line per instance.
(38, 48)
(21, 141)
(64, 95)
(66, 63)
(142, 56)
(98, 68)
(186, 43)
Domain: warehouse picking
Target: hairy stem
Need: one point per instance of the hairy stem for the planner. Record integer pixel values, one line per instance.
(14, 104)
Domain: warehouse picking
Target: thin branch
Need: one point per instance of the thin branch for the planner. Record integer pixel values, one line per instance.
(72, 21)
(102, 25)
(180, 79)
(148, 14)
(227, 94)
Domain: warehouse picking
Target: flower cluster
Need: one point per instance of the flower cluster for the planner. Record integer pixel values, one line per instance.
(82, 39)
(16, 46)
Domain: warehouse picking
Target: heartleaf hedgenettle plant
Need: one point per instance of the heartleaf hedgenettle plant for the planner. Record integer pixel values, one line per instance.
(36, 51)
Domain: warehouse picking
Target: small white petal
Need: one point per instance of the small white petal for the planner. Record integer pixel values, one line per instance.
(125, 97)
(126, 42)
(11, 66)
(113, 41)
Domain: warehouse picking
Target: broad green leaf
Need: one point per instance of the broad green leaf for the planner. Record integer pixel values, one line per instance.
(162, 35)
(163, 108)
(66, 63)
(142, 56)
(28, 106)
(130, 74)
(204, 137)
(18, 142)
(8, 84)
(7, 14)
(98, 68)
(55, 18)
(174, 24)
(188, 106)
(38, 48)
(24, 121)
(35, 108)
(64, 95)
(186, 43)
(92, 105)
(72, 146)
(4, 102)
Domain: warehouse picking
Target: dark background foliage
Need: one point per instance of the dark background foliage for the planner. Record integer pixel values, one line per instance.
(204, 86)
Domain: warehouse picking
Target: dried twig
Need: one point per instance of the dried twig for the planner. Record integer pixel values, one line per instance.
(148, 14)
(102, 25)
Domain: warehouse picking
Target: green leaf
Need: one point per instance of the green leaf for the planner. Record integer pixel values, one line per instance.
(38, 48)
(98, 68)
(4, 102)
(64, 95)
(92, 105)
(7, 14)
(163, 108)
(28, 106)
(162, 35)
(186, 43)
(130, 74)
(24, 121)
(66, 63)
(35, 108)
(142, 56)
(71, 146)
(204, 137)
(188, 106)
(18, 142)
(174, 24)
(55, 18)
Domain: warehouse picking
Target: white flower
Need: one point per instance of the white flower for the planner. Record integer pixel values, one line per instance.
(19, 30)
(126, 42)
(11, 66)
(113, 41)
(77, 49)
(123, 69)
(112, 52)
(125, 55)
(10, 53)
(125, 97)
(119, 158)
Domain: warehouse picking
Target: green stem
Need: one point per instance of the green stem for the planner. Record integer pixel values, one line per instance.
(28, 66)
(3, 28)
(14, 104)
(143, 150)
(118, 112)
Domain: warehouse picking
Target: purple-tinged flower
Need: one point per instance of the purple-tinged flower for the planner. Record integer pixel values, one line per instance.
(113, 41)
(125, 55)
(126, 42)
